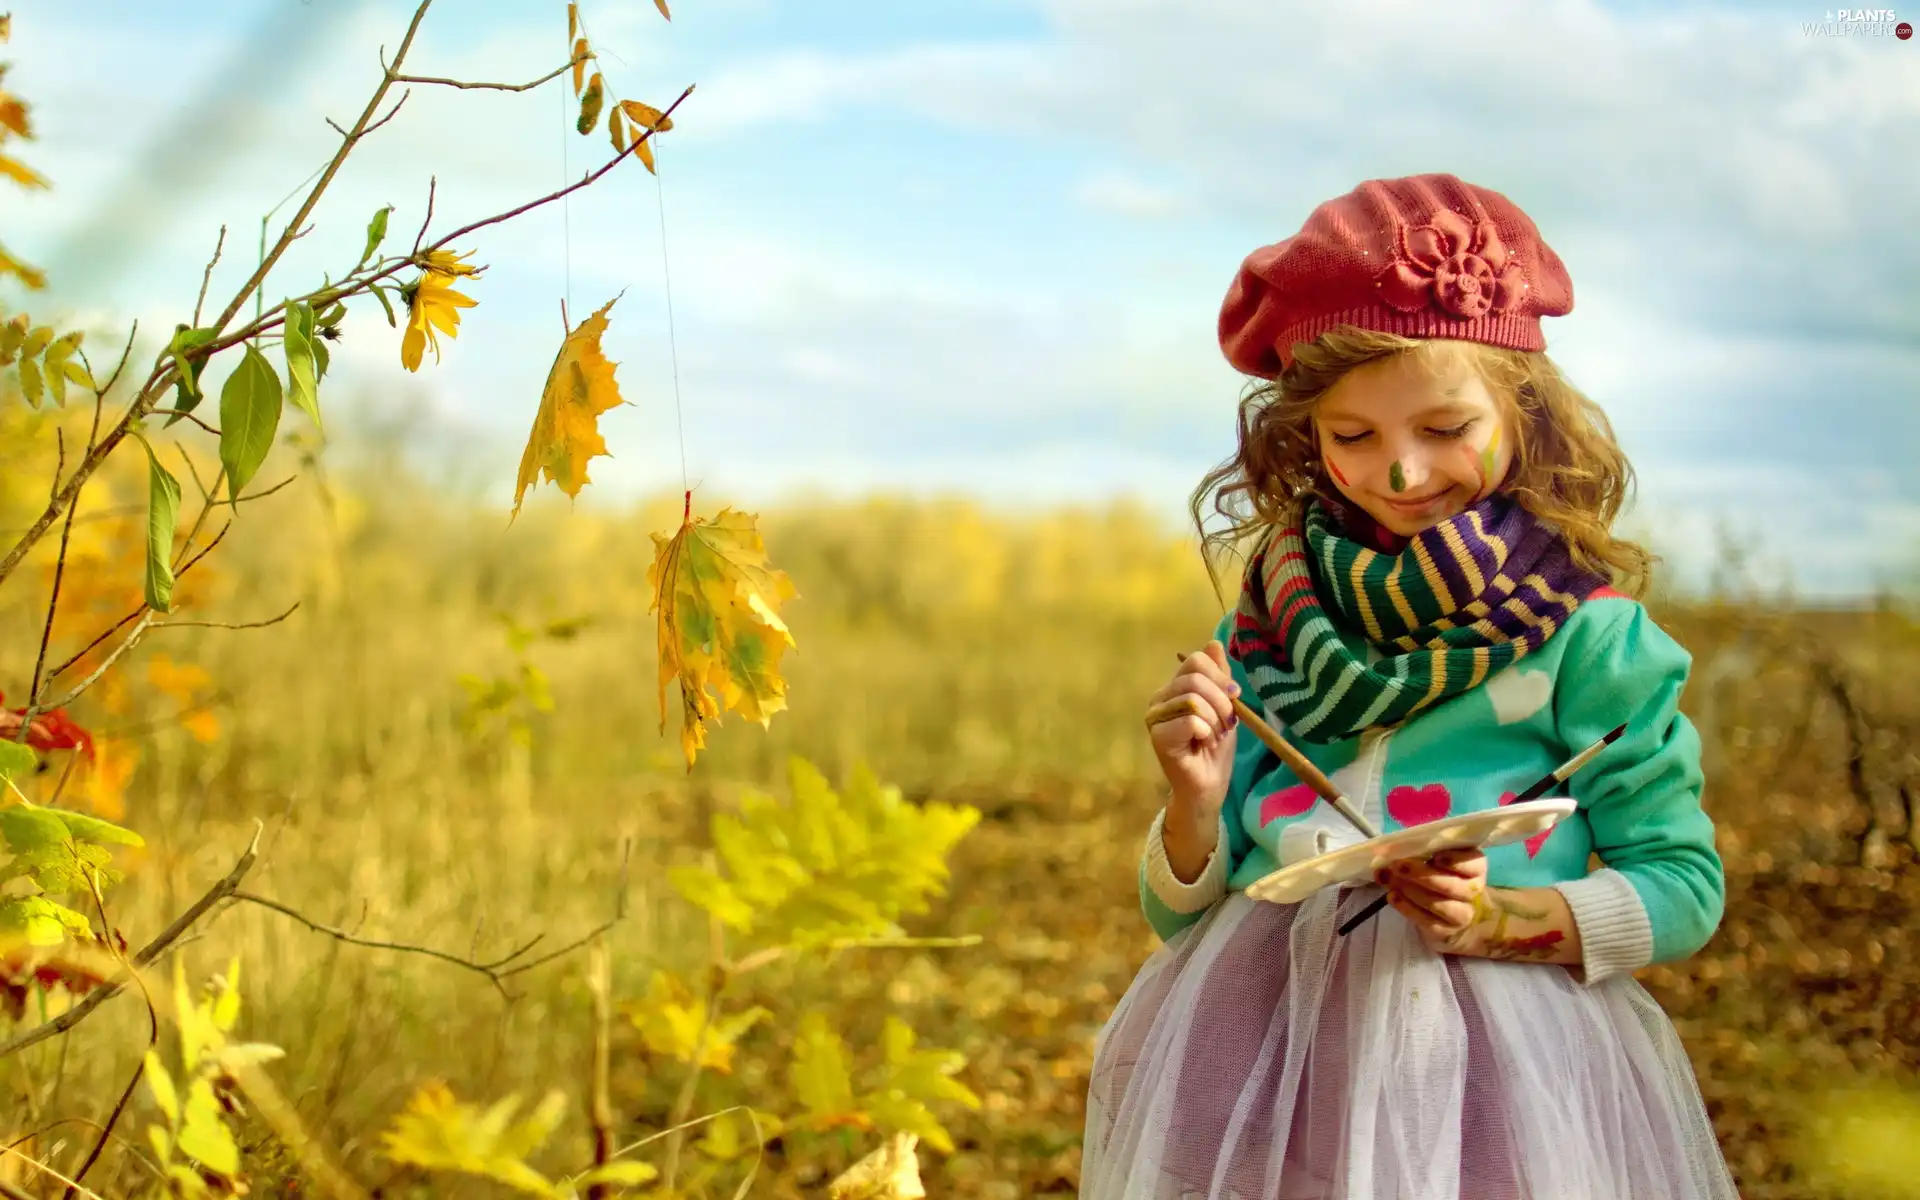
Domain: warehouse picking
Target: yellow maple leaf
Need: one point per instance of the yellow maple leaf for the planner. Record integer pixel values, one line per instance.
(719, 626)
(441, 1133)
(434, 305)
(566, 431)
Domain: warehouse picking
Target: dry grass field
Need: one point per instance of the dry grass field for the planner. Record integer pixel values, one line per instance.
(994, 660)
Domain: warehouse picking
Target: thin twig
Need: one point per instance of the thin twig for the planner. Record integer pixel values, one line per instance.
(147, 953)
(133, 639)
(339, 934)
(137, 613)
(184, 415)
(550, 197)
(433, 184)
(496, 972)
(556, 73)
(139, 1069)
(59, 574)
(207, 278)
(619, 915)
(228, 624)
(391, 114)
(126, 352)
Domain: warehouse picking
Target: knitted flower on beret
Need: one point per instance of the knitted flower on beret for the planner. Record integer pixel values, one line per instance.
(1427, 256)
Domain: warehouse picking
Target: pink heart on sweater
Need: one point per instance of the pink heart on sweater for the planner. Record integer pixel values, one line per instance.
(1418, 805)
(1537, 840)
(1287, 802)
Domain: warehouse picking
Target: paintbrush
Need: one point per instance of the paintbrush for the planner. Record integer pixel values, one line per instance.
(1541, 787)
(1299, 765)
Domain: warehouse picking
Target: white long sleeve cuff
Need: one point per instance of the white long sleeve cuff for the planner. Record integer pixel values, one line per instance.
(1615, 935)
(1184, 898)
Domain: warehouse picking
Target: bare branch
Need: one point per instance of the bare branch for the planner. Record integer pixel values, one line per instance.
(207, 278)
(133, 639)
(352, 139)
(147, 953)
(136, 613)
(228, 624)
(556, 73)
(550, 197)
(339, 934)
(496, 972)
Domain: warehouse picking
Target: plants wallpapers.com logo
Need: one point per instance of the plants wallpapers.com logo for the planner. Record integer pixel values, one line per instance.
(1859, 22)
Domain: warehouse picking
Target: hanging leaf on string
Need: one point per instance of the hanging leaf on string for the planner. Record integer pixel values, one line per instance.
(617, 130)
(662, 6)
(590, 104)
(647, 121)
(566, 430)
(719, 625)
(573, 21)
(582, 54)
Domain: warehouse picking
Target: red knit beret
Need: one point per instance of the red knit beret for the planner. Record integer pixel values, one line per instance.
(1429, 256)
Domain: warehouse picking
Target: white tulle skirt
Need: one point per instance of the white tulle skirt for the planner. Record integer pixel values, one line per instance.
(1259, 1057)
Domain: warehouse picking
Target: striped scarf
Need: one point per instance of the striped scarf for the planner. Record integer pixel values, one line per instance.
(1462, 600)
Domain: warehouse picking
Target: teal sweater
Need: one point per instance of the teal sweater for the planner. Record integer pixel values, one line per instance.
(1660, 893)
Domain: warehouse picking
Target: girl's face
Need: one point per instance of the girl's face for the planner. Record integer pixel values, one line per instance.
(1412, 447)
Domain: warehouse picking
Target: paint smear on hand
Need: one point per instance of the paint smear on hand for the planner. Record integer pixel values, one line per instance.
(1396, 479)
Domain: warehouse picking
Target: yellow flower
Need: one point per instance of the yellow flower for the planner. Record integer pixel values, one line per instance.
(446, 262)
(434, 305)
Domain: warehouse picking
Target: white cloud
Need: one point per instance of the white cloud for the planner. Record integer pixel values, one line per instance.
(1130, 197)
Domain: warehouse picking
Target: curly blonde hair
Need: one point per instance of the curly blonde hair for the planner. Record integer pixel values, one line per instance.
(1568, 469)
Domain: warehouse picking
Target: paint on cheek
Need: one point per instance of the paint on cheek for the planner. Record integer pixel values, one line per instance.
(1334, 469)
(1487, 455)
(1396, 478)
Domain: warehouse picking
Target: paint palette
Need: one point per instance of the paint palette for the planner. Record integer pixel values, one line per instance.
(1358, 862)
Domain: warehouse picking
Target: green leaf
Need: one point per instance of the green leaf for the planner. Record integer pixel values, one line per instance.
(204, 1137)
(92, 829)
(160, 1083)
(303, 383)
(16, 760)
(31, 828)
(376, 233)
(163, 514)
(619, 1174)
(226, 1009)
(322, 355)
(819, 1075)
(706, 889)
(187, 392)
(32, 384)
(380, 294)
(249, 416)
(42, 921)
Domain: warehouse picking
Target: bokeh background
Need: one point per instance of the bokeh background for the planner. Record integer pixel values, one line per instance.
(943, 287)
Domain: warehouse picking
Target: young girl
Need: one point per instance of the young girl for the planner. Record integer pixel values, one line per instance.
(1427, 616)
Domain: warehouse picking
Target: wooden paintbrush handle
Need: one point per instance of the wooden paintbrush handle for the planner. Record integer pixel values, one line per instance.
(1300, 765)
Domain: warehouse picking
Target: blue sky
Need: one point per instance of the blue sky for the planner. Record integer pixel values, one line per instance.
(980, 245)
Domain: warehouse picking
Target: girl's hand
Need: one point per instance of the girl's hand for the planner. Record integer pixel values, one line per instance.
(1445, 897)
(1192, 726)
(1191, 723)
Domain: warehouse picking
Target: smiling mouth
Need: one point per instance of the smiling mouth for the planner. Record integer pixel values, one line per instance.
(1414, 505)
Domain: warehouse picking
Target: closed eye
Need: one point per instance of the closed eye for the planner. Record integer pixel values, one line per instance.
(1350, 439)
(1457, 431)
